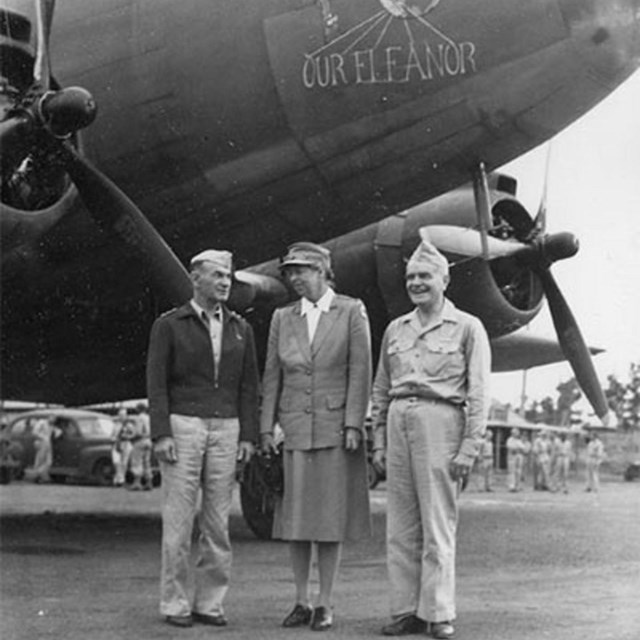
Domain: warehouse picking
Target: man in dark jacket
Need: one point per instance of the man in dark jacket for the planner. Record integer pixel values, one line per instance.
(202, 383)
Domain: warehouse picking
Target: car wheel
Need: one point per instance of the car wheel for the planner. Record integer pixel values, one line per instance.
(5, 475)
(104, 472)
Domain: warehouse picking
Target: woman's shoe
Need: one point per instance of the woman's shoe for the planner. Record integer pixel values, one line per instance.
(299, 617)
(322, 619)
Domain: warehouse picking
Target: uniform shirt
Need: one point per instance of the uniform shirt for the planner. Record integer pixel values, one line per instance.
(515, 446)
(564, 449)
(312, 310)
(213, 323)
(486, 450)
(595, 451)
(541, 448)
(448, 360)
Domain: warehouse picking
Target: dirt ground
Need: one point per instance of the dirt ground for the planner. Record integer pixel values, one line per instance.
(82, 563)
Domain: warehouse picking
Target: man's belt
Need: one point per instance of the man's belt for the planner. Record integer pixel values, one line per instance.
(420, 398)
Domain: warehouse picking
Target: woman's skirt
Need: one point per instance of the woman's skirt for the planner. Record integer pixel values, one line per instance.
(326, 496)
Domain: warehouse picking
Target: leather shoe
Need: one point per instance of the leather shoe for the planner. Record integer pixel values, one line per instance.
(405, 625)
(214, 620)
(442, 630)
(179, 621)
(299, 617)
(322, 619)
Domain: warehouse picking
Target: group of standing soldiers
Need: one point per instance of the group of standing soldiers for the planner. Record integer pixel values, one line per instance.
(551, 458)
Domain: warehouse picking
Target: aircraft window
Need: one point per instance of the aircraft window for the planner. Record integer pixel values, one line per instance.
(68, 428)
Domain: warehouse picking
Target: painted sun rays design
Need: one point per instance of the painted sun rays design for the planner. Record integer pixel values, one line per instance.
(371, 33)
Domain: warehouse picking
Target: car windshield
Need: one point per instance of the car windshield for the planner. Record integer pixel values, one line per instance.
(96, 427)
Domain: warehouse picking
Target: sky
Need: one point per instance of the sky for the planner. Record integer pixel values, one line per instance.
(593, 192)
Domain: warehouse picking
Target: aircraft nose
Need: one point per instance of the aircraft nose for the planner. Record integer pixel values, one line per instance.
(606, 35)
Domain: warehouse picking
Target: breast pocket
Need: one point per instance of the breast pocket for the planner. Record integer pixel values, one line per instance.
(402, 356)
(442, 358)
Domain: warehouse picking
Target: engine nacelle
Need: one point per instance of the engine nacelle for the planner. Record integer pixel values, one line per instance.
(370, 263)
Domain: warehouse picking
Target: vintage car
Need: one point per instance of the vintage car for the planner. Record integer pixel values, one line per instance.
(81, 444)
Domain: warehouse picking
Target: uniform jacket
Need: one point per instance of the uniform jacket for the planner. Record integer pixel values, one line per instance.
(181, 378)
(315, 390)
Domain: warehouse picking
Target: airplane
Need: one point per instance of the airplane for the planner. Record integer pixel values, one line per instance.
(248, 125)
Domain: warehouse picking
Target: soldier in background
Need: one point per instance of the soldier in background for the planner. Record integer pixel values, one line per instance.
(122, 447)
(515, 459)
(595, 456)
(541, 461)
(564, 453)
(485, 458)
(43, 432)
(140, 461)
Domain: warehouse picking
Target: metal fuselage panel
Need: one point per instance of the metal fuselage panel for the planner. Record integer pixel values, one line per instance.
(251, 124)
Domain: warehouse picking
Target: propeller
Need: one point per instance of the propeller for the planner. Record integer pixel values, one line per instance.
(538, 253)
(573, 345)
(114, 212)
(42, 65)
(47, 120)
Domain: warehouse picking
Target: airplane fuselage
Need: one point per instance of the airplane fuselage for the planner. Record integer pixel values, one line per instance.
(249, 124)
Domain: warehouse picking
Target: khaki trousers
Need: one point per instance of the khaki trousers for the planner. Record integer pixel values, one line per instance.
(422, 513)
(207, 449)
(593, 475)
(514, 466)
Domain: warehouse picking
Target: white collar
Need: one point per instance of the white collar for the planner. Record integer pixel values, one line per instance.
(323, 304)
(217, 312)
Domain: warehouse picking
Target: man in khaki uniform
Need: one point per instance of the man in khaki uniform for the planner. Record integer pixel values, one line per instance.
(486, 460)
(430, 402)
(595, 456)
(541, 461)
(516, 449)
(564, 452)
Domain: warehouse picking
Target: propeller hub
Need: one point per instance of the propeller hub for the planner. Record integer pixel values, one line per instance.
(560, 246)
(68, 110)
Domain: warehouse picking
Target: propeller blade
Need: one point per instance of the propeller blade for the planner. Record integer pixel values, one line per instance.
(114, 212)
(42, 65)
(468, 242)
(573, 344)
(540, 222)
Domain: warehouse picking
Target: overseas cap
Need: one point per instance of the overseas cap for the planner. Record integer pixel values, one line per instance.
(427, 255)
(223, 259)
(307, 254)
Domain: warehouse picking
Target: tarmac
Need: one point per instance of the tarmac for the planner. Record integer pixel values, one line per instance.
(82, 563)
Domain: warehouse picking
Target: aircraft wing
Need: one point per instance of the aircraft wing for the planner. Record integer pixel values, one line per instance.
(524, 350)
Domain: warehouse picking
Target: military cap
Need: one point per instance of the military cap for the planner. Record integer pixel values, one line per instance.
(222, 258)
(427, 254)
(307, 254)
